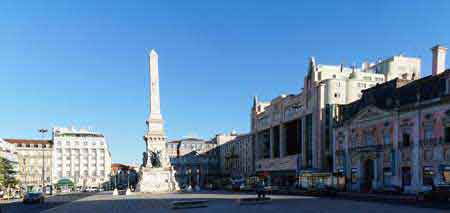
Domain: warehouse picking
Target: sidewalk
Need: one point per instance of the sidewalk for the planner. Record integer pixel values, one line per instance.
(376, 197)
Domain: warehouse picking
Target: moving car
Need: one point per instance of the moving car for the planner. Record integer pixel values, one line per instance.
(33, 197)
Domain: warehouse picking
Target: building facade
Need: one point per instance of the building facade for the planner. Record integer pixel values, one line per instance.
(35, 162)
(81, 156)
(293, 133)
(397, 134)
(193, 161)
(238, 157)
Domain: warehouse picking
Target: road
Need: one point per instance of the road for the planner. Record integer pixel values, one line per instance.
(226, 202)
(16, 206)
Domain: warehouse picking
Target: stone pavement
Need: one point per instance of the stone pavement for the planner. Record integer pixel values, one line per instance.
(225, 202)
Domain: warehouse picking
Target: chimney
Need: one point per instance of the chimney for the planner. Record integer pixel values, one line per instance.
(438, 64)
(365, 66)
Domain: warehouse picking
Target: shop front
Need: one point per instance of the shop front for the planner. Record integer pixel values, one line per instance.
(311, 178)
(278, 172)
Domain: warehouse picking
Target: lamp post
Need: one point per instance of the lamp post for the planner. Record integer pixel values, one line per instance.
(43, 132)
(128, 192)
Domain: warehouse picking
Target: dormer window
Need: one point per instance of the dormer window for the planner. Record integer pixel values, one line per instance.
(405, 76)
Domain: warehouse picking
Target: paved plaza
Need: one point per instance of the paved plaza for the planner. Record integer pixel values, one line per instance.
(222, 202)
(16, 206)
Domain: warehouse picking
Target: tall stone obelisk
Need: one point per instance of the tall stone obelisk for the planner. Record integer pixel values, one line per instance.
(156, 174)
(155, 139)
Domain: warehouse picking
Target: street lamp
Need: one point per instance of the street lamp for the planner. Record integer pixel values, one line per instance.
(43, 132)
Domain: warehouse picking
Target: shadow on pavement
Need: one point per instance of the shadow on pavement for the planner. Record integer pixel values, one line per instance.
(225, 202)
(18, 207)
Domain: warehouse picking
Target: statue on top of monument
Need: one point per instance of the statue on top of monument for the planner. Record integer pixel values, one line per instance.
(144, 159)
(155, 159)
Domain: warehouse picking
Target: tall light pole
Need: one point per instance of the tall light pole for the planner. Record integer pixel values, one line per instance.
(43, 132)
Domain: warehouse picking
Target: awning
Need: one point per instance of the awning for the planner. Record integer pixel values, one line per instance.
(65, 182)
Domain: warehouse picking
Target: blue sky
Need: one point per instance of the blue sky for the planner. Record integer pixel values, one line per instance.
(84, 64)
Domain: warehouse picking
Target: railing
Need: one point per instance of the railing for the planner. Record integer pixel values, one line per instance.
(433, 142)
(369, 148)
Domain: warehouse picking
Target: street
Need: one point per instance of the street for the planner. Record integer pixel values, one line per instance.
(217, 201)
(16, 206)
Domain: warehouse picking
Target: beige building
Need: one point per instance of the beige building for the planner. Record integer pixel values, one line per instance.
(35, 161)
(193, 161)
(293, 133)
(238, 156)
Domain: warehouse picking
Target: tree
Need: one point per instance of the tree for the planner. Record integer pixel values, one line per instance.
(7, 173)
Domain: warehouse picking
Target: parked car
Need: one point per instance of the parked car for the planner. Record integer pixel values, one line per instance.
(323, 189)
(33, 197)
(237, 183)
(440, 192)
(391, 190)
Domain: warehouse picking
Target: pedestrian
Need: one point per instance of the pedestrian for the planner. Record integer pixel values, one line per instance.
(260, 189)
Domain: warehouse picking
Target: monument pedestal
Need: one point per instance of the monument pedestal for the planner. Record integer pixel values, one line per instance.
(156, 180)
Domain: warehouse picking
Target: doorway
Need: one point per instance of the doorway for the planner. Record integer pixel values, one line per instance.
(368, 175)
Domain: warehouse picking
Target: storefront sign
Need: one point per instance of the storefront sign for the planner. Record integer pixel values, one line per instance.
(286, 163)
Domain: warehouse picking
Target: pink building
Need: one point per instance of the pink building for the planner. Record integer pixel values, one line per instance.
(397, 134)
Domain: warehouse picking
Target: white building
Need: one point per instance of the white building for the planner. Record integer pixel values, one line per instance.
(81, 156)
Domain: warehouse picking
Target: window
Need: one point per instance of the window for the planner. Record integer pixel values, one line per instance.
(93, 143)
(386, 137)
(406, 139)
(447, 134)
(428, 175)
(369, 139)
(427, 154)
(428, 131)
(85, 143)
(406, 176)
(35, 146)
(28, 145)
(67, 143)
(447, 154)
(59, 143)
(337, 95)
(405, 76)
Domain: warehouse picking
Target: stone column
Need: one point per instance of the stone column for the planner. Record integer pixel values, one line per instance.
(303, 141)
(272, 140)
(396, 178)
(282, 142)
(415, 157)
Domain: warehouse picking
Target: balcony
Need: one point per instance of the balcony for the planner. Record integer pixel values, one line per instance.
(433, 142)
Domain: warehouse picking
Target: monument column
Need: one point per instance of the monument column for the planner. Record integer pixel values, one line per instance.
(156, 174)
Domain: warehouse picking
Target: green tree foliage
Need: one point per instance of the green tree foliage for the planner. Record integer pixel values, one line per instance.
(7, 173)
